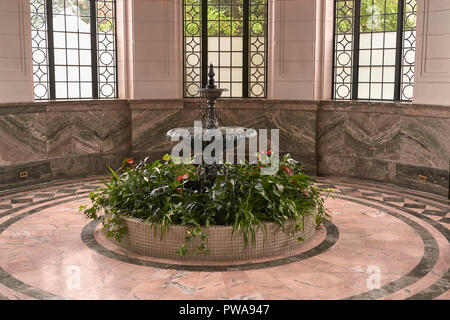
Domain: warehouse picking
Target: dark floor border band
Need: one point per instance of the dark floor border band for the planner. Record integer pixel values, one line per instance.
(425, 265)
(443, 284)
(23, 288)
(435, 290)
(87, 236)
(431, 253)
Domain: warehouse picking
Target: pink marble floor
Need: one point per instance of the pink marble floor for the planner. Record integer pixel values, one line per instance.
(392, 244)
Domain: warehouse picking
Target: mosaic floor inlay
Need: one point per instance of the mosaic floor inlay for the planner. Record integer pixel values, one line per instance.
(382, 242)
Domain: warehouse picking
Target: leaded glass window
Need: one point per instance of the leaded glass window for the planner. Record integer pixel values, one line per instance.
(374, 49)
(74, 49)
(232, 35)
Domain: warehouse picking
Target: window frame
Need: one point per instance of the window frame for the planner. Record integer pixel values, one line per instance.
(247, 81)
(98, 79)
(400, 52)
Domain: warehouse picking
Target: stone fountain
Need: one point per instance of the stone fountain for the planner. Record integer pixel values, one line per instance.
(224, 245)
(232, 135)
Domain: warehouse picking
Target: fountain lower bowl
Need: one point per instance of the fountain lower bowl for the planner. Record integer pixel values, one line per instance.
(223, 246)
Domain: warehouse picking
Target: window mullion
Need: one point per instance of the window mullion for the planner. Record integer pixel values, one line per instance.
(356, 36)
(246, 49)
(51, 49)
(398, 50)
(94, 65)
(204, 46)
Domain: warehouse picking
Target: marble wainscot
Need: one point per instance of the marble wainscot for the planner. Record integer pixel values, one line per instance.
(387, 142)
(55, 140)
(296, 121)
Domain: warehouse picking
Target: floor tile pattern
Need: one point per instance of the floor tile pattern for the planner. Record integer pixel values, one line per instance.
(382, 242)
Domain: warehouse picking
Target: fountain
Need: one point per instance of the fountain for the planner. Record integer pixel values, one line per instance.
(192, 241)
(211, 93)
(237, 134)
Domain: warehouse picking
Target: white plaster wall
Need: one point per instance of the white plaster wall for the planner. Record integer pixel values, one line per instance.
(323, 61)
(16, 82)
(150, 64)
(432, 75)
(300, 42)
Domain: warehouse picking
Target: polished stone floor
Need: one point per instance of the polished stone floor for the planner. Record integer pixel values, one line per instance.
(382, 242)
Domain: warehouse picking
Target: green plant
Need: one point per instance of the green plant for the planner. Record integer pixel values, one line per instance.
(165, 193)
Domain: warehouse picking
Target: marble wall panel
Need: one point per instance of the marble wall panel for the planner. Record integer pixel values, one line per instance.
(69, 138)
(150, 123)
(59, 134)
(116, 132)
(21, 140)
(149, 128)
(425, 141)
(389, 142)
(86, 131)
(385, 141)
(385, 133)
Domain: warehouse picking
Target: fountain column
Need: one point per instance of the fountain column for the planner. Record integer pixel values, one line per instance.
(211, 93)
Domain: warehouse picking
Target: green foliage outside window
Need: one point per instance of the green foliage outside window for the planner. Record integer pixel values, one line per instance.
(224, 20)
(376, 15)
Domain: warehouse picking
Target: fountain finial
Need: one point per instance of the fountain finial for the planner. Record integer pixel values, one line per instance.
(211, 74)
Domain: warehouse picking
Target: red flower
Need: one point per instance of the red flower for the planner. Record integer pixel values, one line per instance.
(289, 171)
(269, 152)
(292, 182)
(305, 193)
(130, 161)
(260, 167)
(183, 177)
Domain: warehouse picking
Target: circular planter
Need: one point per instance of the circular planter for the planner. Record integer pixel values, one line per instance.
(140, 238)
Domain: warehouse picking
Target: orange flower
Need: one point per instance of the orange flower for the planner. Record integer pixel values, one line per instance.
(130, 161)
